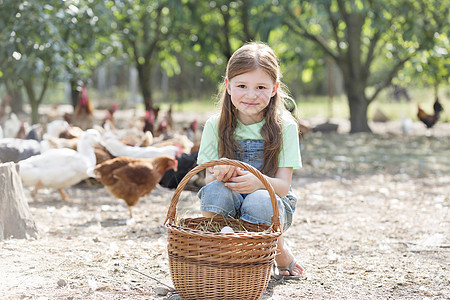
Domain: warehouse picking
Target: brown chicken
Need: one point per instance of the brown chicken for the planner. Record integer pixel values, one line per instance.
(109, 115)
(102, 154)
(83, 115)
(132, 178)
(428, 119)
(163, 128)
(149, 121)
(21, 134)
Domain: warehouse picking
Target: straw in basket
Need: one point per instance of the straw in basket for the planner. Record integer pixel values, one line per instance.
(214, 265)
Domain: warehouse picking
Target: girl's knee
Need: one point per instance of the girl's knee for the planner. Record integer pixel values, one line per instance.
(213, 189)
(217, 198)
(257, 207)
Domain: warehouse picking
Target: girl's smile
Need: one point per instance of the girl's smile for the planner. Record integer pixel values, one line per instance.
(250, 94)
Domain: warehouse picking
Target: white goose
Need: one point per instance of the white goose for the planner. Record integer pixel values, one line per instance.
(61, 168)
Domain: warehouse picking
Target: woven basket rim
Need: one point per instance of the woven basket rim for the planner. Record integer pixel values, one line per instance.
(270, 232)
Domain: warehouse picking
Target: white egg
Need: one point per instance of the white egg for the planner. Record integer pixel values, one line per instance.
(227, 229)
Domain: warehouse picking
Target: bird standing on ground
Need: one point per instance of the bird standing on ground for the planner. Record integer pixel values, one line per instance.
(149, 121)
(427, 119)
(132, 178)
(11, 126)
(406, 125)
(191, 131)
(109, 115)
(60, 168)
(15, 150)
(56, 127)
(83, 115)
(163, 129)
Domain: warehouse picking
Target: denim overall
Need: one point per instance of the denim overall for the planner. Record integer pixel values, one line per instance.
(255, 207)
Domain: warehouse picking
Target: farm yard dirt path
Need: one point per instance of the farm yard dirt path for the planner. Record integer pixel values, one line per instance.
(372, 222)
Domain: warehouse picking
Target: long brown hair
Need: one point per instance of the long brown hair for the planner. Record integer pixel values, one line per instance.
(246, 59)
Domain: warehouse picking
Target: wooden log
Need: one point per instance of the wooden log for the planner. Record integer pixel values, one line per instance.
(16, 220)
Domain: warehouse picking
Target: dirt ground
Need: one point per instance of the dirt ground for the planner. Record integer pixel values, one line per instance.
(372, 222)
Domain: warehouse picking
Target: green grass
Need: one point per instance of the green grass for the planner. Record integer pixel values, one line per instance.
(318, 106)
(307, 106)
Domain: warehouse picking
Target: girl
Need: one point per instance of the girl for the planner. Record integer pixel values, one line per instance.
(254, 127)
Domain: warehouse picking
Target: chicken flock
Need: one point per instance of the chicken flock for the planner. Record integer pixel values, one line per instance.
(129, 161)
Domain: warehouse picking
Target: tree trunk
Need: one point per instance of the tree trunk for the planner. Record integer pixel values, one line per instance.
(180, 87)
(355, 85)
(144, 83)
(15, 217)
(358, 113)
(34, 103)
(16, 96)
(17, 102)
(35, 118)
(180, 80)
(226, 48)
(355, 74)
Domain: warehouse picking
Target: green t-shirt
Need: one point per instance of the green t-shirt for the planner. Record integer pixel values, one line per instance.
(289, 150)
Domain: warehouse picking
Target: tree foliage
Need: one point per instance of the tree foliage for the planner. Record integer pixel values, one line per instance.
(431, 67)
(373, 42)
(47, 43)
(33, 54)
(357, 33)
(85, 29)
(146, 31)
(219, 27)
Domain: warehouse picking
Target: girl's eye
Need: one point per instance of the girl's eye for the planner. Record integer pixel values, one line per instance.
(241, 86)
(261, 87)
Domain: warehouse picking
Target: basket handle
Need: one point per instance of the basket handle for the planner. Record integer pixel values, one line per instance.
(276, 223)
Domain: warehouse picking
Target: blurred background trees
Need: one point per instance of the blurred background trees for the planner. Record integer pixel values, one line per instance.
(44, 44)
(360, 34)
(149, 52)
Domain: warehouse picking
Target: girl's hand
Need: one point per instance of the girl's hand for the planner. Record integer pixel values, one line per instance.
(244, 182)
(224, 172)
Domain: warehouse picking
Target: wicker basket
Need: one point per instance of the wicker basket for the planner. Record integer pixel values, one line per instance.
(214, 265)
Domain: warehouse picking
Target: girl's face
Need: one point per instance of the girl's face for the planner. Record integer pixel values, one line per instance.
(250, 94)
